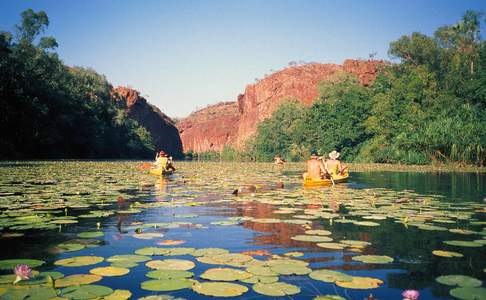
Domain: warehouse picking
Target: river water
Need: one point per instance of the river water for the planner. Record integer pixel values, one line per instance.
(400, 217)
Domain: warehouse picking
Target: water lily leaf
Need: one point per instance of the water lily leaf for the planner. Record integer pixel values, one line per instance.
(276, 289)
(119, 295)
(355, 243)
(261, 271)
(109, 271)
(90, 234)
(34, 293)
(329, 276)
(373, 259)
(318, 232)
(152, 251)
(366, 223)
(462, 243)
(219, 289)
(9, 264)
(261, 279)
(148, 235)
(77, 279)
(209, 252)
(469, 293)
(79, 261)
(169, 274)
(333, 246)
(171, 264)
(459, 280)
(290, 269)
(165, 285)
(443, 253)
(225, 274)
(122, 258)
(360, 283)
(329, 297)
(82, 292)
(311, 238)
(61, 248)
(179, 251)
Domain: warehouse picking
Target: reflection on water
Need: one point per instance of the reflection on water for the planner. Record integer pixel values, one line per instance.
(196, 206)
(455, 186)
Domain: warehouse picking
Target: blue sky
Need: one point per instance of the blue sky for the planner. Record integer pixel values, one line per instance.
(185, 55)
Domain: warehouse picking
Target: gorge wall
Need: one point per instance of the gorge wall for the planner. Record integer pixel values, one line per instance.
(232, 123)
(210, 128)
(162, 129)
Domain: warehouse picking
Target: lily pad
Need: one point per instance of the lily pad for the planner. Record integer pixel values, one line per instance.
(225, 274)
(459, 280)
(209, 252)
(261, 279)
(219, 289)
(169, 274)
(329, 297)
(276, 289)
(9, 264)
(329, 276)
(373, 259)
(469, 293)
(443, 253)
(312, 238)
(171, 264)
(333, 246)
(119, 295)
(463, 243)
(360, 283)
(82, 292)
(79, 261)
(166, 285)
(109, 271)
(90, 234)
(318, 232)
(76, 279)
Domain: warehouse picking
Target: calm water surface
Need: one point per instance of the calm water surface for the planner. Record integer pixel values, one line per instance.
(190, 204)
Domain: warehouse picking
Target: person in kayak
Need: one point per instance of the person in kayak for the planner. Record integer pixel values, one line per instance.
(315, 168)
(278, 160)
(333, 166)
(161, 160)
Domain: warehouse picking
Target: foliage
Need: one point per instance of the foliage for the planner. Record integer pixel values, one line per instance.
(50, 110)
(428, 107)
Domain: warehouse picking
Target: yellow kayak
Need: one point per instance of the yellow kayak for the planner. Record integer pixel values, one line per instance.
(160, 172)
(312, 182)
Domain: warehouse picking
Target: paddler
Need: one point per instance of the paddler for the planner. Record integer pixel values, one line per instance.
(161, 160)
(333, 166)
(315, 167)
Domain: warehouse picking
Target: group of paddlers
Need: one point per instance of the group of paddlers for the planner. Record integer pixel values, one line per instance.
(318, 167)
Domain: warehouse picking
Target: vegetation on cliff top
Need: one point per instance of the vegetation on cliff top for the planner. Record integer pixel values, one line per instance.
(431, 106)
(50, 110)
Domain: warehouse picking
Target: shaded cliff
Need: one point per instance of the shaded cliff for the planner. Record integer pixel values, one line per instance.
(222, 124)
(210, 128)
(162, 129)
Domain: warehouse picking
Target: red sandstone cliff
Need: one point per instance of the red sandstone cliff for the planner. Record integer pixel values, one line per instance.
(260, 100)
(210, 128)
(162, 129)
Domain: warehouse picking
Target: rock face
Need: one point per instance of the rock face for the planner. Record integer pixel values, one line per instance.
(260, 100)
(162, 129)
(210, 128)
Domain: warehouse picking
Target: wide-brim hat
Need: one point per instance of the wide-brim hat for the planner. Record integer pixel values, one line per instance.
(334, 154)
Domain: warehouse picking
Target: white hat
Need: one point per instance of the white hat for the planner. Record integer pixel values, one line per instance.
(334, 155)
